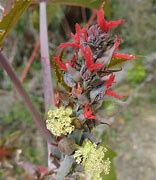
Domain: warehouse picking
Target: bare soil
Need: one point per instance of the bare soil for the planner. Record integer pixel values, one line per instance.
(135, 144)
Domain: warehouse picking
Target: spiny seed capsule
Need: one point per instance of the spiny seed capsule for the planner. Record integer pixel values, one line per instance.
(66, 146)
(77, 123)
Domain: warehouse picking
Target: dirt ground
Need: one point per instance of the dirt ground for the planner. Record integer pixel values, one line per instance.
(135, 144)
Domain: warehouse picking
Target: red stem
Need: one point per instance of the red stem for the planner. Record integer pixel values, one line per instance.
(84, 16)
(30, 61)
(91, 19)
(36, 116)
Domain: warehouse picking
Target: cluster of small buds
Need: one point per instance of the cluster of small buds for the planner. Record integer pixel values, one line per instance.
(92, 158)
(59, 122)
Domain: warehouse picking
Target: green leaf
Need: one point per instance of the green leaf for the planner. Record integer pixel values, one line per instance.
(52, 10)
(116, 61)
(76, 135)
(112, 175)
(10, 19)
(137, 74)
(92, 4)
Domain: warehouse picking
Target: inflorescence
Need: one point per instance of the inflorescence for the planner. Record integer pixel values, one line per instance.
(87, 77)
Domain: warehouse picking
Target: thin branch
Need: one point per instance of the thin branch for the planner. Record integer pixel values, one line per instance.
(30, 61)
(84, 16)
(65, 25)
(8, 6)
(36, 116)
(13, 52)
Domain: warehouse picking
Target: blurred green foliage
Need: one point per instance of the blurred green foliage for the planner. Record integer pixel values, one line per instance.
(152, 94)
(137, 74)
(127, 115)
(109, 107)
(139, 30)
(20, 114)
(32, 154)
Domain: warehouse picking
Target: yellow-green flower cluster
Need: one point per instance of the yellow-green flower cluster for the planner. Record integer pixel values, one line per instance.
(92, 159)
(58, 121)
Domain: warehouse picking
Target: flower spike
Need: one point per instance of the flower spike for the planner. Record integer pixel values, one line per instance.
(87, 113)
(89, 60)
(104, 24)
(87, 79)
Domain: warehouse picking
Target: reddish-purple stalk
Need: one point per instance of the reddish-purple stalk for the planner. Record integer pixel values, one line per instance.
(47, 80)
(30, 61)
(27, 101)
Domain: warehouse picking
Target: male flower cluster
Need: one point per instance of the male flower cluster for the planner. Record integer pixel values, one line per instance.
(92, 159)
(58, 121)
